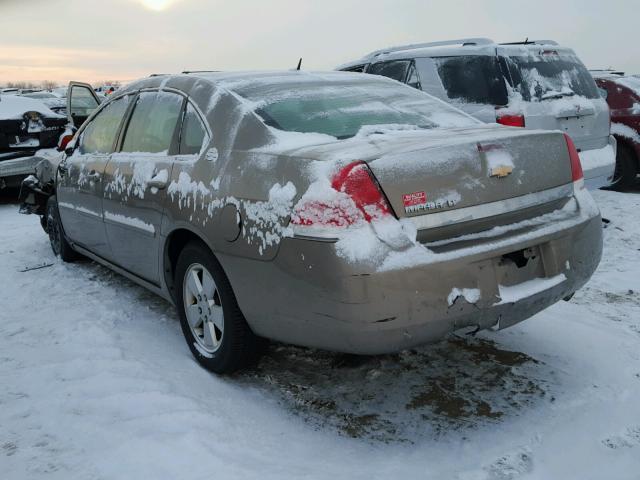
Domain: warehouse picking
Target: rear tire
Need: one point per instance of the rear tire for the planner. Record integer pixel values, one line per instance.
(213, 325)
(61, 248)
(626, 169)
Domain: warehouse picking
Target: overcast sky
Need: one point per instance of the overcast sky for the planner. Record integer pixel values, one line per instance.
(95, 40)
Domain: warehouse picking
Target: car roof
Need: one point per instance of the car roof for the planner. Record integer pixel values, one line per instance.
(458, 47)
(269, 75)
(230, 79)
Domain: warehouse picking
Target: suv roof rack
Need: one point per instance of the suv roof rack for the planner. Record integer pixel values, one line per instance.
(159, 75)
(187, 72)
(532, 42)
(462, 41)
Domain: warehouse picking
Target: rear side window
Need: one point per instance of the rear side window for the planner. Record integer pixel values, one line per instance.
(100, 135)
(193, 133)
(153, 123)
(396, 69)
(473, 79)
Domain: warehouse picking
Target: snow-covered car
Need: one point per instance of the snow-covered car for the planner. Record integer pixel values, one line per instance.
(55, 103)
(623, 97)
(42, 147)
(27, 125)
(531, 84)
(333, 210)
(60, 92)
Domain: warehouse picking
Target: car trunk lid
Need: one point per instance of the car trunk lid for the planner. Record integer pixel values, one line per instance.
(474, 167)
(424, 172)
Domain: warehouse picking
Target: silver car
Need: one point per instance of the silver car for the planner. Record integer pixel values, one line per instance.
(332, 210)
(531, 84)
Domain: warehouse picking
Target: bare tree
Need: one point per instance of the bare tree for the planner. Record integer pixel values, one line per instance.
(48, 85)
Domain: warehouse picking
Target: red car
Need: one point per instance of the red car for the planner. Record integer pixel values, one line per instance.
(623, 96)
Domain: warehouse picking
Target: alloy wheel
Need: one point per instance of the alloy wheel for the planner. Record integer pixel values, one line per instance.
(203, 308)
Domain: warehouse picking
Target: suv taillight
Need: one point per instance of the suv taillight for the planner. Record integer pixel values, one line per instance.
(510, 119)
(357, 197)
(576, 166)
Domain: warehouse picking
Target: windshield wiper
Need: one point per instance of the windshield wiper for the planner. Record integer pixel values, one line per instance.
(553, 95)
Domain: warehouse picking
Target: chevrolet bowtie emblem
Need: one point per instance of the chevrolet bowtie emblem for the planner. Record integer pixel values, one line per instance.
(501, 171)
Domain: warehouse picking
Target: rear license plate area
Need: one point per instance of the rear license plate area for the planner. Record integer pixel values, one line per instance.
(519, 266)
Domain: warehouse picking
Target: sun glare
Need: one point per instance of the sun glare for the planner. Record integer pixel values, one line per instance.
(157, 5)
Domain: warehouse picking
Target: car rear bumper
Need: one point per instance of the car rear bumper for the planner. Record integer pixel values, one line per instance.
(308, 296)
(599, 165)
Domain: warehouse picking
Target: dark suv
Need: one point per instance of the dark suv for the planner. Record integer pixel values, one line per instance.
(623, 96)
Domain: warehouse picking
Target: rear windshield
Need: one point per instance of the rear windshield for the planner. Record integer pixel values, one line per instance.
(473, 79)
(543, 77)
(341, 109)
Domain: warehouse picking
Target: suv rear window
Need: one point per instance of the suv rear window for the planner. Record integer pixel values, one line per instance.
(543, 77)
(473, 79)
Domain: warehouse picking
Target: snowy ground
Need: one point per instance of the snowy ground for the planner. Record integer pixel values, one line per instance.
(97, 382)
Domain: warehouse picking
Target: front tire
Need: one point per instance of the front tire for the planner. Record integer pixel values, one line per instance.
(213, 325)
(61, 248)
(626, 169)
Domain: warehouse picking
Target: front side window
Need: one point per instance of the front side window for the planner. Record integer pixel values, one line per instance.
(153, 123)
(473, 79)
(100, 135)
(396, 69)
(82, 101)
(193, 133)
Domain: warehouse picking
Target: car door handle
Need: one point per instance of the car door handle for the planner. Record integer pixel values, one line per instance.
(159, 183)
(94, 177)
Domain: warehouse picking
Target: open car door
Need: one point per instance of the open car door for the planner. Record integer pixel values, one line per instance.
(82, 100)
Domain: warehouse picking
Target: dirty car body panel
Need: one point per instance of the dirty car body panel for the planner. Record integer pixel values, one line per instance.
(464, 231)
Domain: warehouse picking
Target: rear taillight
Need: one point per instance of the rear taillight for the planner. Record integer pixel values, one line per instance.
(64, 141)
(354, 197)
(510, 120)
(576, 166)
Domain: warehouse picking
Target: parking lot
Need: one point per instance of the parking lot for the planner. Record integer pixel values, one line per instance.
(96, 382)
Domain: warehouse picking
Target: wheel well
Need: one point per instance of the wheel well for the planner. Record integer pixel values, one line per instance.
(629, 147)
(176, 241)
